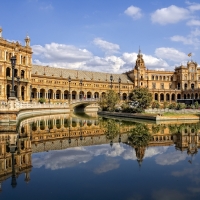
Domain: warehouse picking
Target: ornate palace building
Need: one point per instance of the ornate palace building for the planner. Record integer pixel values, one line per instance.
(33, 82)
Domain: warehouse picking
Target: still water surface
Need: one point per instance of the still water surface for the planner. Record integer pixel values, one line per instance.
(62, 157)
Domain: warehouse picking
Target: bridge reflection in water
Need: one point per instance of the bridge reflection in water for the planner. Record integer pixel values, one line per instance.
(56, 132)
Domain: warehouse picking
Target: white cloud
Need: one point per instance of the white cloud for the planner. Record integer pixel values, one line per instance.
(191, 39)
(74, 156)
(72, 57)
(193, 22)
(193, 6)
(107, 47)
(170, 54)
(61, 159)
(169, 15)
(61, 52)
(109, 165)
(170, 158)
(150, 61)
(133, 12)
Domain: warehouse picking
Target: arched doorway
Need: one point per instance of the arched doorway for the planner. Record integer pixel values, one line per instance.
(124, 96)
(74, 94)
(58, 94)
(42, 93)
(103, 94)
(81, 95)
(167, 97)
(161, 97)
(89, 95)
(66, 92)
(173, 97)
(96, 95)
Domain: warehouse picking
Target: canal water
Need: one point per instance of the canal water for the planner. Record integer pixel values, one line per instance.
(90, 157)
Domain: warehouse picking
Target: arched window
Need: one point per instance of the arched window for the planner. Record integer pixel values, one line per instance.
(8, 72)
(24, 60)
(156, 97)
(185, 86)
(22, 74)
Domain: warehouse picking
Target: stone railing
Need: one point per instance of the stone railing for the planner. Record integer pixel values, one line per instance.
(18, 105)
(84, 100)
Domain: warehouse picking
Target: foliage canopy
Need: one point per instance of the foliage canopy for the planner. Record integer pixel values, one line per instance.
(142, 96)
(109, 101)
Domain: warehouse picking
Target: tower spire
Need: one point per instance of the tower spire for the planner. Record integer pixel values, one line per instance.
(27, 41)
(139, 52)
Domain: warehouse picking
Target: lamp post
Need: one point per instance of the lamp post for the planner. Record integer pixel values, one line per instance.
(18, 79)
(111, 80)
(69, 80)
(81, 83)
(119, 81)
(31, 93)
(13, 63)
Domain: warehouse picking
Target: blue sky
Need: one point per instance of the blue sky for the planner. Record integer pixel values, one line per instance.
(105, 35)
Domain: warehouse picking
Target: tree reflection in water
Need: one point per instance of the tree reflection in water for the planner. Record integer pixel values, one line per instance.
(111, 130)
(139, 139)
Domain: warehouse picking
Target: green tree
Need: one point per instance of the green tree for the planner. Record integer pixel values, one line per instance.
(140, 136)
(109, 101)
(142, 96)
(111, 129)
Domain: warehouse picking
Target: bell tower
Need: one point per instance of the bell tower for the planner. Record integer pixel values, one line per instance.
(139, 64)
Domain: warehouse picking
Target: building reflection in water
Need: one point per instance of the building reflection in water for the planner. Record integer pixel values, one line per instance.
(55, 132)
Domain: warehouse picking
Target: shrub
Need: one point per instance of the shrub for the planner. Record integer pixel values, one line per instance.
(155, 104)
(172, 106)
(196, 104)
(42, 100)
(165, 104)
(180, 106)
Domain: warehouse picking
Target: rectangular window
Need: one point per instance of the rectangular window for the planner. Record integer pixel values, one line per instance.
(154, 85)
(0, 89)
(162, 86)
(0, 70)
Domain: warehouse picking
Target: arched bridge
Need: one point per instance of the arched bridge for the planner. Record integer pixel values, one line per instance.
(83, 103)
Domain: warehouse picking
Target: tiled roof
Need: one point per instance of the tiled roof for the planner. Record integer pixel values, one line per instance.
(77, 74)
